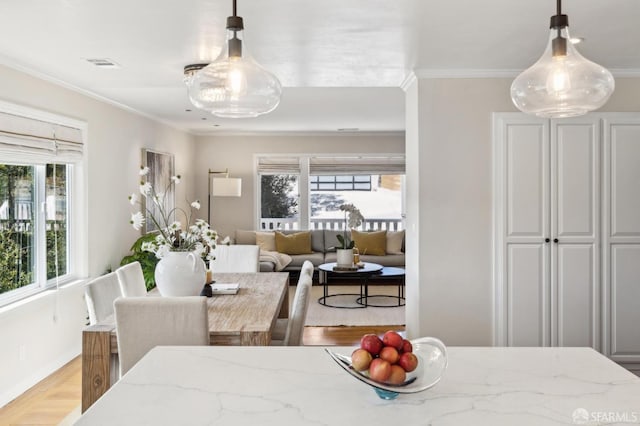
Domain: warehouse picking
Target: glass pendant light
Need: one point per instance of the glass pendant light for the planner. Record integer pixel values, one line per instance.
(233, 85)
(562, 83)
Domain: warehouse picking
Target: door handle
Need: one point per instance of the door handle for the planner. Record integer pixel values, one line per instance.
(555, 240)
(546, 240)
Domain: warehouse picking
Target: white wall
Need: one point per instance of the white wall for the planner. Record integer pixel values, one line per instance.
(237, 154)
(453, 207)
(115, 139)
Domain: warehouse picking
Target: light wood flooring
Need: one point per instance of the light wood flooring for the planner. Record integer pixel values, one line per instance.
(55, 397)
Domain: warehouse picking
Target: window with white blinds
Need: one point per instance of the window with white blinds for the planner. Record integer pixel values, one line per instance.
(278, 165)
(41, 156)
(361, 165)
(306, 190)
(39, 139)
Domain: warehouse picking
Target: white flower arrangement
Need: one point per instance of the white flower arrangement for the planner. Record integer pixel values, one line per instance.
(197, 237)
(352, 219)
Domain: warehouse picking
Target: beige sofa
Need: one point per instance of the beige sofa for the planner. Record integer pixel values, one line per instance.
(323, 244)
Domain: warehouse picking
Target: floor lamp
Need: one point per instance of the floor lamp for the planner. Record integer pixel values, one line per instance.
(221, 185)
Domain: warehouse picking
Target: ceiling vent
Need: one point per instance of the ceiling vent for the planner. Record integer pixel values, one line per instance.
(103, 63)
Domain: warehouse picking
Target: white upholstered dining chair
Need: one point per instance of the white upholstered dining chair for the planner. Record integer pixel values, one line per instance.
(131, 280)
(100, 294)
(289, 331)
(236, 258)
(143, 323)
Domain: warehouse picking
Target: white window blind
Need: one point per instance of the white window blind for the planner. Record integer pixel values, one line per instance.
(278, 165)
(386, 165)
(34, 140)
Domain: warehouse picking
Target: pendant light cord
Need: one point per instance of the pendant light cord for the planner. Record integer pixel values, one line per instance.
(236, 14)
(558, 6)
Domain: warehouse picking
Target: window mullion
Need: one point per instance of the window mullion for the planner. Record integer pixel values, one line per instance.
(40, 237)
(304, 197)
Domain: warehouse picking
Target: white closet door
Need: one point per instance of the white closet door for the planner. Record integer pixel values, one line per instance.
(622, 238)
(525, 194)
(575, 219)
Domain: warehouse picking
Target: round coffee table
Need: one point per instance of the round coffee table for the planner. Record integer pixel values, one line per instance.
(363, 274)
(386, 272)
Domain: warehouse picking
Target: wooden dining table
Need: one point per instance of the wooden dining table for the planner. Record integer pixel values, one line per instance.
(244, 319)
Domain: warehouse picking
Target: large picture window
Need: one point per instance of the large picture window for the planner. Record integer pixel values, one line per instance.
(37, 188)
(24, 233)
(309, 191)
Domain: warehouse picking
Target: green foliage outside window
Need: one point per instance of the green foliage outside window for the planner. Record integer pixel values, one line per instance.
(277, 201)
(15, 267)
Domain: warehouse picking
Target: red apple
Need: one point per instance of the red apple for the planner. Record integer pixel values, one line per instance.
(371, 343)
(406, 346)
(389, 353)
(379, 370)
(360, 359)
(397, 376)
(408, 361)
(391, 338)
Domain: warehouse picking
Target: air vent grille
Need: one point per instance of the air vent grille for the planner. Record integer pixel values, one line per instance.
(103, 62)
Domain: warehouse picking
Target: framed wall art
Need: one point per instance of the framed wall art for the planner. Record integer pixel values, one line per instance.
(161, 168)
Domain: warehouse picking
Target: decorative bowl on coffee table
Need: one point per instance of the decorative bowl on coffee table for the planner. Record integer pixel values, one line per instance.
(432, 362)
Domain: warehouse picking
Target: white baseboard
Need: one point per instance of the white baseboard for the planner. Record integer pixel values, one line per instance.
(19, 388)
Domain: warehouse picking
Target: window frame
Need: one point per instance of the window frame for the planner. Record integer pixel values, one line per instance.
(76, 198)
(304, 184)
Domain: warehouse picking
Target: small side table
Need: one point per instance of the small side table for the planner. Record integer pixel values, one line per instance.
(386, 272)
(363, 274)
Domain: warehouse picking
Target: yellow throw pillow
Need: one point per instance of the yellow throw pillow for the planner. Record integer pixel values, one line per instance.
(373, 243)
(266, 240)
(298, 243)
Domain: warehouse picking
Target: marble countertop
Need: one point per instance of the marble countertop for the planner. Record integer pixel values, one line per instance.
(304, 386)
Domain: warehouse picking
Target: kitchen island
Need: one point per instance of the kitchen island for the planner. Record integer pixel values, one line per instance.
(304, 386)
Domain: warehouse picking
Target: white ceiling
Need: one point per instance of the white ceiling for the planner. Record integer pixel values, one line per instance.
(341, 61)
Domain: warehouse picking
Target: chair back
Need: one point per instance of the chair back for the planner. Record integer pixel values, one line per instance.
(295, 326)
(143, 323)
(131, 280)
(100, 294)
(236, 258)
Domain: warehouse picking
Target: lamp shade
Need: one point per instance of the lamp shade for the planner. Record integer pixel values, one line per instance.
(234, 85)
(226, 187)
(562, 84)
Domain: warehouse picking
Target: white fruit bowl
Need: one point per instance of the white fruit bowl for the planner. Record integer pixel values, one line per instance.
(432, 361)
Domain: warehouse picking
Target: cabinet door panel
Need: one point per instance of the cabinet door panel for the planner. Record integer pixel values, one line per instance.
(625, 301)
(577, 290)
(621, 237)
(527, 295)
(527, 172)
(625, 181)
(575, 193)
(575, 202)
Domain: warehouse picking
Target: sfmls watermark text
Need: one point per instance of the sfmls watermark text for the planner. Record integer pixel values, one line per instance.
(581, 416)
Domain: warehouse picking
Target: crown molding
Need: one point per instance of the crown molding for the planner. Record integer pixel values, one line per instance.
(408, 81)
(466, 73)
(400, 133)
(493, 73)
(10, 63)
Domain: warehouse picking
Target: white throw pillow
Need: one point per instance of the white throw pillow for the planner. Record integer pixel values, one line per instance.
(266, 240)
(394, 242)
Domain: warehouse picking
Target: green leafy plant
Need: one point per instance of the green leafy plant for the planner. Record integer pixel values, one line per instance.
(148, 260)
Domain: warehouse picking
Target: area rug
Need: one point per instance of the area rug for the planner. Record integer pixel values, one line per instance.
(324, 316)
